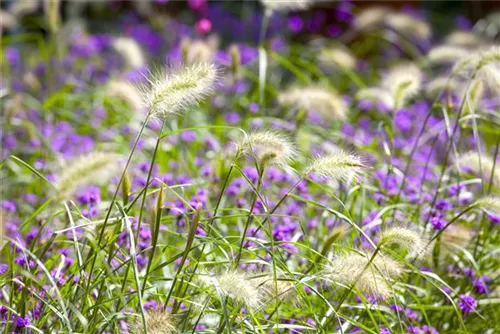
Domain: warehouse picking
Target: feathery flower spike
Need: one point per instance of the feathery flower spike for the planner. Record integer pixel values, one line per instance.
(93, 167)
(269, 147)
(172, 92)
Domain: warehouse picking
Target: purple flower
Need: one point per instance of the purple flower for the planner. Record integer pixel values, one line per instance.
(480, 284)
(295, 23)
(403, 120)
(438, 222)
(470, 272)
(8, 206)
(414, 330)
(495, 219)
(232, 118)
(385, 331)
(188, 136)
(22, 322)
(467, 303)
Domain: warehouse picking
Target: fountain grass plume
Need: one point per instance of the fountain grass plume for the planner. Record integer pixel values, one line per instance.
(376, 94)
(477, 61)
(371, 17)
(172, 91)
(94, 167)
(287, 5)
(199, 51)
(315, 98)
(455, 237)
(446, 54)
(157, 322)
(238, 286)
(387, 266)
(353, 269)
(7, 21)
(415, 243)
(337, 166)
(127, 92)
(403, 82)
(23, 8)
(276, 288)
(440, 84)
(337, 56)
(490, 204)
(130, 51)
(409, 25)
(464, 39)
(470, 162)
(270, 147)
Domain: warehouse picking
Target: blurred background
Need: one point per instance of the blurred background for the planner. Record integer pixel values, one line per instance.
(239, 18)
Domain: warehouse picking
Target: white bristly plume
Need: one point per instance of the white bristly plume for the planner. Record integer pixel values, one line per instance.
(403, 82)
(337, 57)
(446, 54)
(95, 167)
(408, 25)
(466, 39)
(172, 92)
(371, 17)
(413, 242)
(270, 147)
(440, 84)
(127, 92)
(490, 204)
(287, 5)
(337, 166)
(130, 50)
(376, 94)
(352, 269)
(157, 322)
(7, 21)
(237, 286)
(315, 99)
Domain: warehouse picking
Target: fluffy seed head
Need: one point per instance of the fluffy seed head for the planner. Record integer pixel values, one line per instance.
(440, 84)
(276, 289)
(472, 96)
(403, 82)
(269, 147)
(409, 25)
(446, 54)
(317, 99)
(199, 51)
(23, 8)
(238, 286)
(157, 322)
(172, 92)
(130, 50)
(338, 166)
(7, 20)
(127, 92)
(376, 94)
(455, 236)
(93, 167)
(413, 242)
(464, 38)
(337, 56)
(287, 5)
(469, 162)
(387, 266)
(478, 61)
(353, 269)
(371, 17)
(489, 204)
